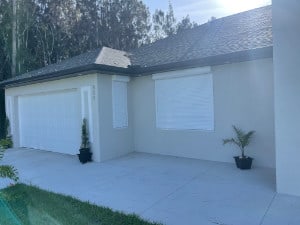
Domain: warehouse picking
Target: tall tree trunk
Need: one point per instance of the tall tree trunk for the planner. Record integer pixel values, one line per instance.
(14, 39)
(19, 39)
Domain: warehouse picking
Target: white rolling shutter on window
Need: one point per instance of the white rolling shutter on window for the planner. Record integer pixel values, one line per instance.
(119, 98)
(185, 102)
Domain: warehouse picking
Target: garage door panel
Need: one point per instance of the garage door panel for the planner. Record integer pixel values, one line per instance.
(50, 121)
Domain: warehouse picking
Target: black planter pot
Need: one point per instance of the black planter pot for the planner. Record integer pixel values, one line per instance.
(243, 163)
(85, 155)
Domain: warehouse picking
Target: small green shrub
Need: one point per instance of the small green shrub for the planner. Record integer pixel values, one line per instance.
(6, 143)
(84, 134)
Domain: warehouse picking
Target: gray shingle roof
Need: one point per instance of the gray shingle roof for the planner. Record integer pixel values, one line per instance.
(103, 56)
(242, 32)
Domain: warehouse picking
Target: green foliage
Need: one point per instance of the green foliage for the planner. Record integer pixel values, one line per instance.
(7, 171)
(185, 24)
(164, 24)
(32, 205)
(51, 31)
(241, 140)
(6, 143)
(84, 134)
(2, 114)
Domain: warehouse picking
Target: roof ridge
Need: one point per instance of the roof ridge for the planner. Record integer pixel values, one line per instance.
(239, 13)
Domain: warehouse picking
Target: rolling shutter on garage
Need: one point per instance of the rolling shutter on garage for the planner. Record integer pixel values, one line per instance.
(50, 121)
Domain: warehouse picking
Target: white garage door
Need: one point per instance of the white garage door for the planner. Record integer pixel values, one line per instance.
(50, 121)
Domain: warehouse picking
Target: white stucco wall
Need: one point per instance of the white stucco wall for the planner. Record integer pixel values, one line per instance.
(75, 83)
(286, 32)
(106, 141)
(243, 96)
(114, 142)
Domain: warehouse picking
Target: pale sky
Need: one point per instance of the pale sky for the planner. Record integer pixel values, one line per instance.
(202, 10)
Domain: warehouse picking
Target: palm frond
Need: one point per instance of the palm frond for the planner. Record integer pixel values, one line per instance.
(9, 172)
(231, 141)
(247, 138)
(239, 134)
(242, 139)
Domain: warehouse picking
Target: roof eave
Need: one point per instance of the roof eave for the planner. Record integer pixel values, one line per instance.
(77, 71)
(235, 57)
(136, 71)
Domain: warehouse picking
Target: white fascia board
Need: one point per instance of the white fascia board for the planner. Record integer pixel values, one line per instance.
(120, 78)
(182, 73)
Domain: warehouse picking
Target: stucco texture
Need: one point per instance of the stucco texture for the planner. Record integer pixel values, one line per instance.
(243, 96)
(286, 29)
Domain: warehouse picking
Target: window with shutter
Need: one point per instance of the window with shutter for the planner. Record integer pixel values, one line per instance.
(185, 101)
(119, 101)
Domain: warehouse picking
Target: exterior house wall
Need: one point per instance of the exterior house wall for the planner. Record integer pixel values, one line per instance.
(114, 141)
(243, 96)
(76, 83)
(286, 33)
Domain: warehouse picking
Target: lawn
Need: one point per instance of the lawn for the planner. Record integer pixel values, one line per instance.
(22, 204)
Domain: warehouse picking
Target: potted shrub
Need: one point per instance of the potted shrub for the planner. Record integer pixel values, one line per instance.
(85, 154)
(241, 140)
(6, 142)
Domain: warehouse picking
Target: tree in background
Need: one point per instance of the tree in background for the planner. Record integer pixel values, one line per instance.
(164, 24)
(36, 33)
(158, 21)
(5, 39)
(185, 24)
(170, 21)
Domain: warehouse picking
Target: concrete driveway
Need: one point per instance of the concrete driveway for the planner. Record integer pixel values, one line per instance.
(161, 188)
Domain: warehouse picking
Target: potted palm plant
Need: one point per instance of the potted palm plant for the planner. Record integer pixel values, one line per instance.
(85, 154)
(242, 140)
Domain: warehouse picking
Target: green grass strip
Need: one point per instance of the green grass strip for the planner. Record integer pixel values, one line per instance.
(7, 215)
(31, 205)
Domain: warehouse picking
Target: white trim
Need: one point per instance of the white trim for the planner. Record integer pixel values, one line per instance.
(120, 78)
(182, 73)
(9, 106)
